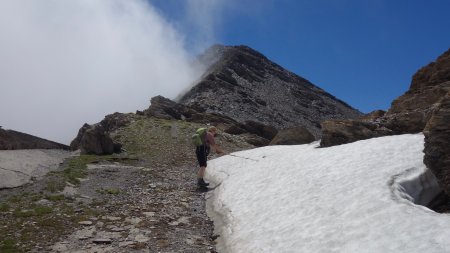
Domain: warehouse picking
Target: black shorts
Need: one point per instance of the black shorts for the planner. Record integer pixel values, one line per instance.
(202, 154)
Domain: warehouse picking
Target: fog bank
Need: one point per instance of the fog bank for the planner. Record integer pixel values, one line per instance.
(64, 63)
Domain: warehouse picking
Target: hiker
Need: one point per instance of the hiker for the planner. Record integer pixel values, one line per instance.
(202, 152)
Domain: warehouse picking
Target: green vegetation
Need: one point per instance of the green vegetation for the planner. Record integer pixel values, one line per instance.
(158, 140)
(113, 191)
(42, 210)
(4, 207)
(55, 198)
(8, 246)
(55, 186)
(76, 168)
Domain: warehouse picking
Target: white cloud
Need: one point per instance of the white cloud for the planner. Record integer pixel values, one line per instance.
(63, 63)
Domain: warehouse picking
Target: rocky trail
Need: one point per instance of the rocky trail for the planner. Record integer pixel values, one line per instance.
(146, 210)
(115, 208)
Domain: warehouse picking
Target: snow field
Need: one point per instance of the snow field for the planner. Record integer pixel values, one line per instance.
(338, 199)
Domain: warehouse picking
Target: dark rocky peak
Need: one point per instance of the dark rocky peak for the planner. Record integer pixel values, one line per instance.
(243, 84)
(10, 139)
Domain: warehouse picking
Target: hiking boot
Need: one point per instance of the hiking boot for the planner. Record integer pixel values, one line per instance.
(202, 182)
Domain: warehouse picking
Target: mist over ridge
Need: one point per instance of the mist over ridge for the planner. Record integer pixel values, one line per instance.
(64, 63)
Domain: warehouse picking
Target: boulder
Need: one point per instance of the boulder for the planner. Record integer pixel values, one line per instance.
(164, 108)
(337, 132)
(94, 139)
(255, 140)
(437, 144)
(293, 136)
(75, 144)
(265, 131)
(407, 122)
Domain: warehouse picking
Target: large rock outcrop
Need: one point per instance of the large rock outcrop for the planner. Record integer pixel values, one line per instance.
(409, 113)
(255, 133)
(293, 136)
(10, 140)
(337, 132)
(437, 143)
(246, 86)
(94, 139)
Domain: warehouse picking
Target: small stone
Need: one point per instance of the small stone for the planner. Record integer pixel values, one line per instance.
(184, 220)
(85, 233)
(118, 229)
(141, 238)
(85, 223)
(111, 218)
(102, 241)
(149, 214)
(133, 221)
(126, 244)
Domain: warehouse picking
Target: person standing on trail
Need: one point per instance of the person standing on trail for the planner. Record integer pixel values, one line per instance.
(203, 150)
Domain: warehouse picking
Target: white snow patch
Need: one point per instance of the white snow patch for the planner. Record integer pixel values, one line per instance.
(347, 198)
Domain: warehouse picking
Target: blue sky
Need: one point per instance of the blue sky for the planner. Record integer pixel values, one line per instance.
(66, 63)
(363, 52)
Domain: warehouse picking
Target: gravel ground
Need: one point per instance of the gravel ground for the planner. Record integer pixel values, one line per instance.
(150, 210)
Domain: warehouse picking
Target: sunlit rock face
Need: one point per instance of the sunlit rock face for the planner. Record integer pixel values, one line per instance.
(437, 144)
(243, 84)
(409, 113)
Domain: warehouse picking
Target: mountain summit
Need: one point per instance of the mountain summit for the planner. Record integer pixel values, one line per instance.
(243, 84)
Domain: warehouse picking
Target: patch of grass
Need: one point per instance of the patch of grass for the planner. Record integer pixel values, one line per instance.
(113, 191)
(8, 246)
(42, 210)
(15, 199)
(55, 198)
(76, 168)
(4, 207)
(54, 186)
(19, 213)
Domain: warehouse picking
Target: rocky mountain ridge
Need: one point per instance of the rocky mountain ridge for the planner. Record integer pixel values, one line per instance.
(409, 113)
(245, 85)
(10, 140)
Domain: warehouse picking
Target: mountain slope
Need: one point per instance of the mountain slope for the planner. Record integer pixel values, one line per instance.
(243, 84)
(10, 139)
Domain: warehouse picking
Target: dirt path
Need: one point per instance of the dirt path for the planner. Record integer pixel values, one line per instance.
(144, 209)
(115, 208)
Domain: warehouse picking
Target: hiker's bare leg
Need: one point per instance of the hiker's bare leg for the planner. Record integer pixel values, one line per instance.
(201, 172)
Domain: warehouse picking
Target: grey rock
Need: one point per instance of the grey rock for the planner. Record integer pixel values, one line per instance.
(85, 223)
(293, 136)
(10, 140)
(437, 144)
(337, 132)
(244, 85)
(94, 139)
